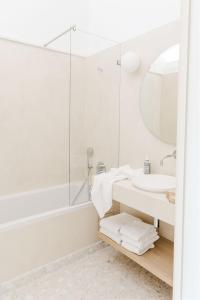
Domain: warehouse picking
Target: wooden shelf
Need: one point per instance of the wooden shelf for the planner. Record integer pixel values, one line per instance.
(158, 261)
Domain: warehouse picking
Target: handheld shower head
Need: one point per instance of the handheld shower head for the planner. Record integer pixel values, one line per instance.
(90, 153)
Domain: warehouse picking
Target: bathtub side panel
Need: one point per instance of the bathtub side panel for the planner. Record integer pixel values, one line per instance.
(33, 245)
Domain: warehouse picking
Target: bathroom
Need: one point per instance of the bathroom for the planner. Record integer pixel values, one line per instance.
(93, 133)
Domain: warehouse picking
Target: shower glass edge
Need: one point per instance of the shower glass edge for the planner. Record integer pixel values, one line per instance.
(94, 109)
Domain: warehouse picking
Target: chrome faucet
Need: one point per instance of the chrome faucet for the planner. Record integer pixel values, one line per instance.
(168, 156)
(100, 167)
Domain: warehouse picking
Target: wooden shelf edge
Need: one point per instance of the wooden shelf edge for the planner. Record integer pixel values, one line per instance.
(158, 261)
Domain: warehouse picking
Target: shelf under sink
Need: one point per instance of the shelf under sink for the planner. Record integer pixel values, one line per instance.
(158, 261)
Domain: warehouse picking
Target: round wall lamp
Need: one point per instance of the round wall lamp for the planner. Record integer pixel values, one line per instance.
(130, 62)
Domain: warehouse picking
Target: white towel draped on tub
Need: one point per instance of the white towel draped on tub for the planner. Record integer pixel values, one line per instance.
(101, 193)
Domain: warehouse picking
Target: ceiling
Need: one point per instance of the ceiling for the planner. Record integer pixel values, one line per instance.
(38, 21)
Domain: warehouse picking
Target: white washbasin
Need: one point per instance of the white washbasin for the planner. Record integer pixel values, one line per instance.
(155, 183)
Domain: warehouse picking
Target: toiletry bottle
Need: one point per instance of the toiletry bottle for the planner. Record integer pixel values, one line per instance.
(147, 166)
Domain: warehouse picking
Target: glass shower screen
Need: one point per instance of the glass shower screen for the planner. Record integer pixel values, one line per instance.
(94, 110)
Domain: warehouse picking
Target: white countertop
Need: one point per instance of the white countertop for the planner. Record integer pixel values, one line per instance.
(154, 204)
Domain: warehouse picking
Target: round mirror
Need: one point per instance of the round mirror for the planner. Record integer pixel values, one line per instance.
(158, 101)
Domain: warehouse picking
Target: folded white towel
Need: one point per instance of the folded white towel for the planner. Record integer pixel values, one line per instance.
(130, 248)
(113, 236)
(137, 231)
(142, 244)
(115, 223)
(101, 193)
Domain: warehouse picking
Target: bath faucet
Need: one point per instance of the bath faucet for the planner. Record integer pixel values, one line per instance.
(168, 156)
(100, 167)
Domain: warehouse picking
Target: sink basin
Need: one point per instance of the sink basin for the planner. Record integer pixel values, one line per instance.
(155, 183)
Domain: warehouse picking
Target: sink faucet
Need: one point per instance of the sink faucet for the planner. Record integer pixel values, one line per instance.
(168, 156)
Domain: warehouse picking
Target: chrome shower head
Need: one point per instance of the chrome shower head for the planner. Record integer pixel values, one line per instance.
(90, 152)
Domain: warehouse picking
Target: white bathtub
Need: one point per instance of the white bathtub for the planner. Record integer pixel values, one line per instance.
(39, 226)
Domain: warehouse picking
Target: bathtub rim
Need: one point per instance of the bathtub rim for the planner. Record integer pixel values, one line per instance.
(43, 216)
(38, 190)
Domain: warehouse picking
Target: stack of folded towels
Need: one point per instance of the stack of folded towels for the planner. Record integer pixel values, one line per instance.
(130, 232)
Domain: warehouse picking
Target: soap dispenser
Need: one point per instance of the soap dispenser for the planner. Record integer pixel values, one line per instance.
(147, 165)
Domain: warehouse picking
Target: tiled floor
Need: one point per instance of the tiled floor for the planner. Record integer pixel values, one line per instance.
(101, 275)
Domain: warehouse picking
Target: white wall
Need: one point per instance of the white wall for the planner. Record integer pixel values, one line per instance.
(101, 106)
(34, 141)
(135, 139)
(102, 94)
(78, 167)
(34, 117)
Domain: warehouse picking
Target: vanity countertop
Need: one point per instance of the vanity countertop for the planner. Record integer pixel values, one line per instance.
(154, 204)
